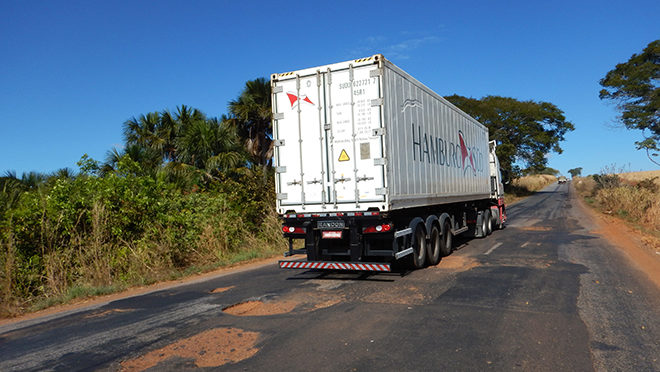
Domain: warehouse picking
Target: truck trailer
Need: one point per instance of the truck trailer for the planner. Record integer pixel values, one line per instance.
(372, 168)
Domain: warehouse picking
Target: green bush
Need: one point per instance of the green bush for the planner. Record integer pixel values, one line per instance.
(127, 228)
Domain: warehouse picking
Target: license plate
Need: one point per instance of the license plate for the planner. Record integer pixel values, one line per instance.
(331, 234)
(331, 225)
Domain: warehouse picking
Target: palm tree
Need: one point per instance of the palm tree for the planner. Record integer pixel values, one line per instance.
(252, 117)
(11, 190)
(143, 131)
(210, 145)
(148, 158)
(180, 140)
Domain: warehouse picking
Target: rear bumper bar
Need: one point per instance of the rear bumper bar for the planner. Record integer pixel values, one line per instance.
(326, 265)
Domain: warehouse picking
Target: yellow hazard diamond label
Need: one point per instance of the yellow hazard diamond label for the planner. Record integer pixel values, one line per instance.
(344, 156)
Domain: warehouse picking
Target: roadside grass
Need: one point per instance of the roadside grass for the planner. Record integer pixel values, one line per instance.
(255, 248)
(523, 187)
(74, 293)
(91, 236)
(633, 197)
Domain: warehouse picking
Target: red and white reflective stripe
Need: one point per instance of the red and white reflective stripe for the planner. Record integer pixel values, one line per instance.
(334, 266)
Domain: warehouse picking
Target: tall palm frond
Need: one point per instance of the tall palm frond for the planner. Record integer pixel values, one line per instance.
(252, 113)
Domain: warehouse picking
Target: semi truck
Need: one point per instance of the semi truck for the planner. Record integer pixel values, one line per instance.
(373, 168)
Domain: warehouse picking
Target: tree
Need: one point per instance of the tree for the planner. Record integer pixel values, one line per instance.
(251, 113)
(575, 172)
(209, 145)
(184, 142)
(545, 170)
(525, 131)
(634, 87)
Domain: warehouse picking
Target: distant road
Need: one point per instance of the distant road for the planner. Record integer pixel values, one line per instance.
(544, 294)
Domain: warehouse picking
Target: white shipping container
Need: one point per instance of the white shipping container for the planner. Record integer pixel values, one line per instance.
(364, 135)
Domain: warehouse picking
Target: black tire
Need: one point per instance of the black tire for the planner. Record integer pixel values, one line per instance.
(446, 246)
(497, 225)
(482, 225)
(434, 247)
(419, 248)
(489, 222)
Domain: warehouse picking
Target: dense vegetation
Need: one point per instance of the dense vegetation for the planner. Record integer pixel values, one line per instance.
(184, 193)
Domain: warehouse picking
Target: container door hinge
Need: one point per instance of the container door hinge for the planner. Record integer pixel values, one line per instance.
(278, 116)
(379, 161)
(381, 191)
(376, 102)
(278, 89)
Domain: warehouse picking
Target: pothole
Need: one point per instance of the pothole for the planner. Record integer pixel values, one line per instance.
(99, 314)
(403, 296)
(222, 289)
(261, 308)
(300, 301)
(536, 228)
(212, 348)
(457, 263)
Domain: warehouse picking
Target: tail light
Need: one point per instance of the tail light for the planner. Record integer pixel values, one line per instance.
(377, 229)
(293, 230)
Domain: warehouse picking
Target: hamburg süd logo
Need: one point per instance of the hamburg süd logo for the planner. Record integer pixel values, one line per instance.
(466, 153)
(294, 99)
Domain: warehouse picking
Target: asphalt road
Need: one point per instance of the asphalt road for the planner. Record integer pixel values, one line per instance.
(544, 294)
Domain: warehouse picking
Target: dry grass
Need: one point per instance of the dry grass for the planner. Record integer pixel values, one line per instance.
(635, 198)
(525, 186)
(639, 176)
(585, 186)
(535, 182)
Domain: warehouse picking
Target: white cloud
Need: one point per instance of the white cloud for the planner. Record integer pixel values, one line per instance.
(392, 49)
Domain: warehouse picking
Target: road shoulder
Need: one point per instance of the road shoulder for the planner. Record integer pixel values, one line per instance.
(628, 240)
(95, 302)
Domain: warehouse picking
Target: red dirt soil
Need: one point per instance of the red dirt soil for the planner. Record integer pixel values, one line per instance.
(640, 249)
(211, 348)
(259, 308)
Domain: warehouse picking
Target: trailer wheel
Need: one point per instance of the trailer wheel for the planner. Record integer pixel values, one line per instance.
(482, 224)
(434, 247)
(446, 247)
(489, 222)
(419, 248)
(495, 218)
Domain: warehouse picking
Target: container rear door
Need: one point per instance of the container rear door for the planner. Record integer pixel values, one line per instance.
(354, 111)
(330, 154)
(300, 106)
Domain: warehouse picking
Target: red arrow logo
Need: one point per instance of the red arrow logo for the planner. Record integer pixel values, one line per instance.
(293, 98)
(465, 153)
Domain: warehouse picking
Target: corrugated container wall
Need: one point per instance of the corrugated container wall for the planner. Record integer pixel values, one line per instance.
(364, 134)
(436, 153)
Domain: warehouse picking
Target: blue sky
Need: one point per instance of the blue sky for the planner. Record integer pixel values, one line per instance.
(73, 71)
